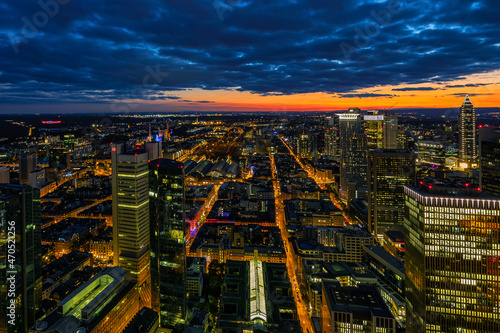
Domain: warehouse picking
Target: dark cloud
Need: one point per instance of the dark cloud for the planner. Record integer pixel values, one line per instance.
(463, 94)
(414, 89)
(363, 95)
(466, 85)
(101, 51)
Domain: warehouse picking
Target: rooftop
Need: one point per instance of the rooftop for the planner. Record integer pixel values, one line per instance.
(363, 301)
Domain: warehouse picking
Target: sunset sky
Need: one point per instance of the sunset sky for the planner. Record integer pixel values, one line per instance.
(237, 55)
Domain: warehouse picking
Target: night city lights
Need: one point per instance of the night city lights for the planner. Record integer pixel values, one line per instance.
(238, 166)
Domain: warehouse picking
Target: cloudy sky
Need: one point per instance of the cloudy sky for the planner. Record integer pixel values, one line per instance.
(173, 55)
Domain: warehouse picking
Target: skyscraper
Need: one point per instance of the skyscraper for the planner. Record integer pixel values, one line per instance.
(331, 136)
(489, 151)
(388, 172)
(168, 241)
(381, 130)
(307, 145)
(27, 163)
(20, 258)
(467, 147)
(452, 256)
(131, 242)
(352, 155)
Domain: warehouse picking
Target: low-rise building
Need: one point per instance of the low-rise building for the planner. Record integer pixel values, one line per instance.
(257, 296)
(354, 309)
(105, 304)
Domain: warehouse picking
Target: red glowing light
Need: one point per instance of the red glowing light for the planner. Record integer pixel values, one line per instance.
(421, 183)
(51, 121)
(479, 189)
(430, 186)
(113, 149)
(466, 184)
(480, 126)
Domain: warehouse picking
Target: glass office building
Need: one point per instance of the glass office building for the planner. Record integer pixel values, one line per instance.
(452, 259)
(168, 241)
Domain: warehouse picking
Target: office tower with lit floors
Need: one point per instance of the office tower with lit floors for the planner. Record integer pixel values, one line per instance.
(131, 244)
(467, 145)
(307, 145)
(168, 241)
(381, 130)
(352, 155)
(331, 136)
(452, 256)
(389, 170)
(20, 258)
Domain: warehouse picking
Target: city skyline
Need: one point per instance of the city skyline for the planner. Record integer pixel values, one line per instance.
(61, 56)
(237, 166)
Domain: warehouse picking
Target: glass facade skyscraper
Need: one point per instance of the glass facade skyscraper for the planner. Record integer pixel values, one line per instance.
(20, 258)
(452, 261)
(168, 241)
(352, 155)
(467, 146)
(389, 170)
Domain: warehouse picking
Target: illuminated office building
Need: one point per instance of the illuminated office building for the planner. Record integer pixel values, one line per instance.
(389, 171)
(489, 150)
(131, 215)
(307, 145)
(354, 310)
(23, 261)
(467, 146)
(452, 256)
(352, 155)
(168, 241)
(331, 136)
(381, 130)
(104, 304)
(257, 297)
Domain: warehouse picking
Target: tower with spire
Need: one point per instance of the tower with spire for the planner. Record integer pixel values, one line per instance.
(467, 145)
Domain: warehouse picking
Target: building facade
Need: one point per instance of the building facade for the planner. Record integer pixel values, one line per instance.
(168, 241)
(388, 172)
(131, 242)
(467, 145)
(20, 258)
(381, 130)
(452, 269)
(352, 155)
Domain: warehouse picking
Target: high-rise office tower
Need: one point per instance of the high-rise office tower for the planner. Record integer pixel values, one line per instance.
(20, 258)
(489, 152)
(27, 163)
(307, 145)
(131, 243)
(331, 136)
(352, 155)
(168, 241)
(467, 147)
(389, 171)
(381, 130)
(452, 256)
